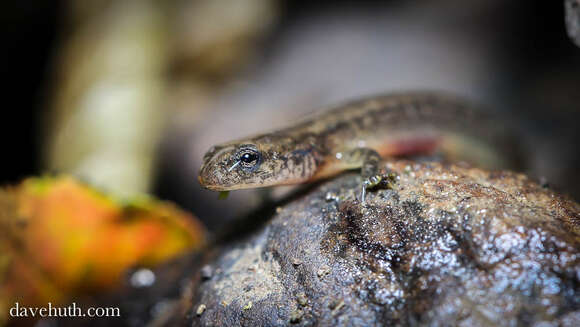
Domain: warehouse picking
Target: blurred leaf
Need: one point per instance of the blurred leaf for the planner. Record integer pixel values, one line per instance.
(60, 238)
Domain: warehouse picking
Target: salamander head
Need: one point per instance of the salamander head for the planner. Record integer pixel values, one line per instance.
(259, 162)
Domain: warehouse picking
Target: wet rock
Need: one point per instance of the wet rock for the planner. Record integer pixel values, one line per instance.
(448, 245)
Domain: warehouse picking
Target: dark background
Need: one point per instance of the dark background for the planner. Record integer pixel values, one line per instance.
(29, 38)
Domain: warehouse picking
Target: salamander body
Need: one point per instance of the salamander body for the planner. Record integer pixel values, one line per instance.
(358, 134)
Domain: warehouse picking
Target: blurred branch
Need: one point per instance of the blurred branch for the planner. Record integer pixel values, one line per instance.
(107, 114)
(130, 65)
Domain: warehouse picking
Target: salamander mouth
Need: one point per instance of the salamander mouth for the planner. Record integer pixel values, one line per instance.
(208, 180)
(220, 187)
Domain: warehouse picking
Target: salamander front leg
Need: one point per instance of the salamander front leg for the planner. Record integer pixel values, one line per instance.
(370, 162)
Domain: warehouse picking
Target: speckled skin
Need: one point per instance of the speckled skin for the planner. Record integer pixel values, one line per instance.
(356, 135)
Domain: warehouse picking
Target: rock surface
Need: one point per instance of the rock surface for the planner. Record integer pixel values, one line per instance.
(448, 245)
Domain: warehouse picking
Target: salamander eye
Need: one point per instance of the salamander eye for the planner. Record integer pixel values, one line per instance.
(249, 158)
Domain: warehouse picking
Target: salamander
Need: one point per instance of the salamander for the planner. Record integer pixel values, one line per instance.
(358, 134)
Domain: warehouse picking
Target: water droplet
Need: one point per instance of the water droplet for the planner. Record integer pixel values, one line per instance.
(142, 278)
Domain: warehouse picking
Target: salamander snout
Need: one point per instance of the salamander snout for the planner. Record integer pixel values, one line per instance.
(260, 162)
(230, 167)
